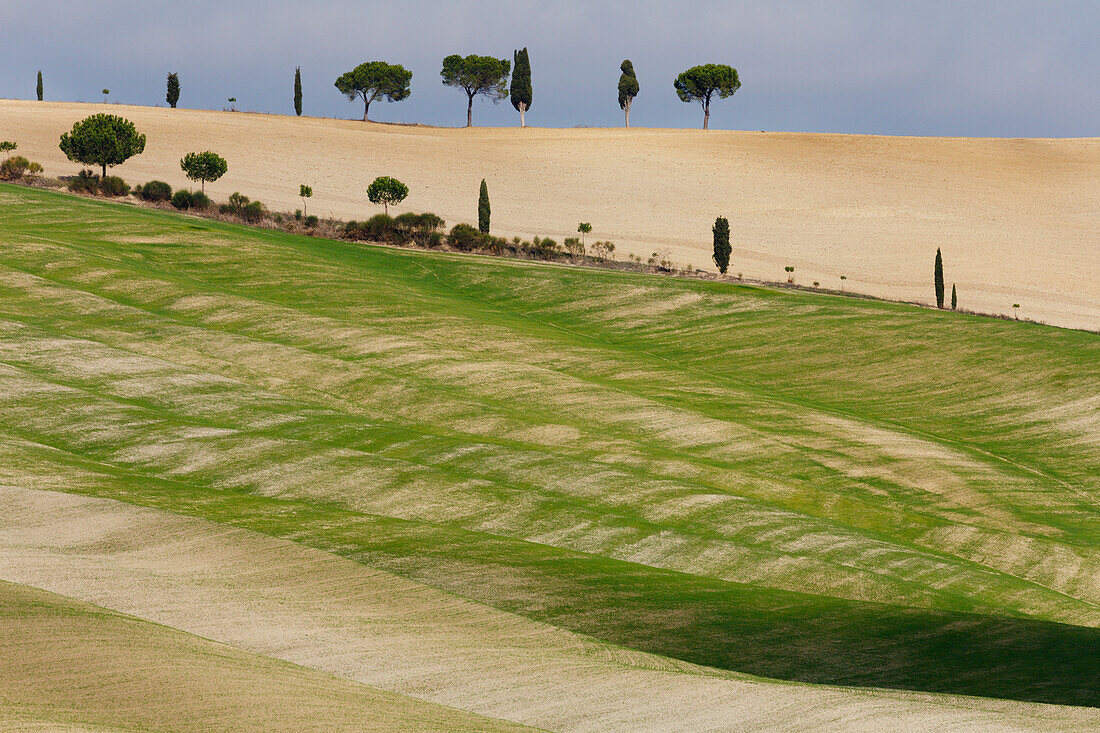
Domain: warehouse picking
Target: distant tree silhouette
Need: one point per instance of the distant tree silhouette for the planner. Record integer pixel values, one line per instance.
(173, 94)
(628, 88)
(298, 92)
(477, 75)
(39, 87)
(521, 85)
(701, 83)
(954, 297)
(375, 80)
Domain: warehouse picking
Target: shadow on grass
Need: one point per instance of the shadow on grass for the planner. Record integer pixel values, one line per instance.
(777, 634)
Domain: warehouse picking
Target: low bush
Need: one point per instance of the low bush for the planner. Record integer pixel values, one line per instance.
(574, 246)
(603, 250)
(154, 191)
(114, 186)
(311, 221)
(252, 212)
(419, 228)
(237, 202)
(466, 238)
(13, 168)
(184, 199)
(546, 249)
(84, 182)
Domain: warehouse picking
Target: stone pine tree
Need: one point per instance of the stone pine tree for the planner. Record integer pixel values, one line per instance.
(722, 247)
(628, 88)
(938, 276)
(102, 140)
(373, 80)
(386, 191)
(298, 91)
(483, 209)
(39, 87)
(954, 297)
(173, 94)
(203, 167)
(701, 83)
(521, 84)
(477, 76)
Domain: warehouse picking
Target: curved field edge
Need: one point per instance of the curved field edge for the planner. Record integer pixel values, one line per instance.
(281, 600)
(66, 663)
(434, 415)
(1010, 215)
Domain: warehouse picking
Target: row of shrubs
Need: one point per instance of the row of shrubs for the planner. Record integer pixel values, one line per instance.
(239, 205)
(408, 228)
(425, 230)
(422, 230)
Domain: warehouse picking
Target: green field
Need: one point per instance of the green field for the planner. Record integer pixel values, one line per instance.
(790, 485)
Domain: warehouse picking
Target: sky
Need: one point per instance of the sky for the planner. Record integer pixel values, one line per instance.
(1002, 68)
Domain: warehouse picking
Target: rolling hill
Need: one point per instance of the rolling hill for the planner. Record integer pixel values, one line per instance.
(479, 492)
(1016, 219)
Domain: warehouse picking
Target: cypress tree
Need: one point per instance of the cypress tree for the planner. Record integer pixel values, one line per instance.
(954, 297)
(173, 94)
(722, 247)
(483, 208)
(939, 279)
(628, 88)
(39, 86)
(298, 91)
(521, 85)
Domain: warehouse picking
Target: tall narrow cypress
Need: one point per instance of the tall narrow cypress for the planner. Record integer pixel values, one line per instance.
(298, 91)
(173, 94)
(628, 88)
(521, 85)
(954, 297)
(483, 208)
(39, 86)
(722, 247)
(939, 279)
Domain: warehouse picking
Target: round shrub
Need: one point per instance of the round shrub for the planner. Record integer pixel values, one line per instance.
(182, 199)
(84, 182)
(380, 228)
(200, 200)
(114, 186)
(13, 168)
(252, 212)
(311, 221)
(154, 191)
(466, 238)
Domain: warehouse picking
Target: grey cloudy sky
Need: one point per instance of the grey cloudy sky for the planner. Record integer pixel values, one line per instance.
(931, 67)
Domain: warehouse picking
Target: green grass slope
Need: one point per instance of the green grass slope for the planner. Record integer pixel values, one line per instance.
(65, 663)
(797, 486)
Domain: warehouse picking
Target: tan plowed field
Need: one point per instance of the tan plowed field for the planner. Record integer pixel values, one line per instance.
(1017, 220)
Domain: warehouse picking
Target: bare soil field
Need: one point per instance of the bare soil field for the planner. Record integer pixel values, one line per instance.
(1016, 218)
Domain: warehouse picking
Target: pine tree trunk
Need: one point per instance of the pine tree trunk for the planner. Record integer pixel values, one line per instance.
(706, 117)
(470, 111)
(366, 109)
(522, 114)
(629, 101)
